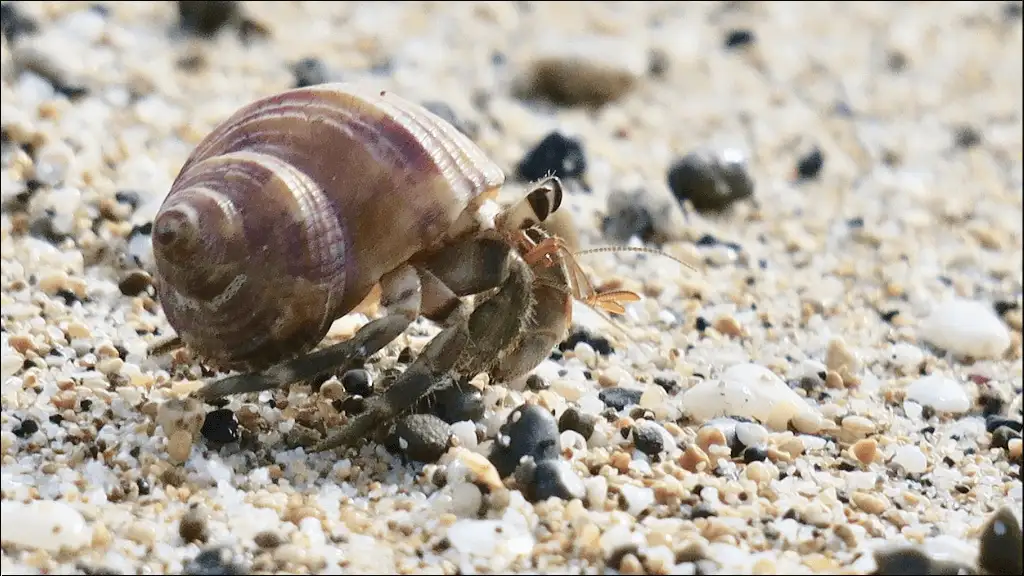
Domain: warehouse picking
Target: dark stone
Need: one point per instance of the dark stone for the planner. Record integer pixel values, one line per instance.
(648, 440)
(710, 184)
(14, 24)
(206, 17)
(738, 38)
(531, 431)
(579, 422)
(309, 72)
(556, 155)
(457, 404)
(213, 562)
(810, 165)
(357, 382)
(1000, 550)
(549, 479)
(220, 427)
(754, 454)
(600, 344)
(27, 428)
(619, 398)
(426, 437)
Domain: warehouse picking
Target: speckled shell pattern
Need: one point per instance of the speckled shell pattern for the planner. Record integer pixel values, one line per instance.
(295, 207)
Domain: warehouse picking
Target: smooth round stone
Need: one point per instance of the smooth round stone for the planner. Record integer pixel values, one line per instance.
(940, 392)
(966, 328)
(750, 391)
(44, 524)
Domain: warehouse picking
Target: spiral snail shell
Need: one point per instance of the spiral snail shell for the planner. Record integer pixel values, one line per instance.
(284, 217)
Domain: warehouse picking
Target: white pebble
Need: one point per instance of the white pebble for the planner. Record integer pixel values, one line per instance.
(597, 491)
(487, 538)
(44, 524)
(466, 433)
(750, 391)
(637, 498)
(913, 410)
(466, 499)
(966, 328)
(940, 392)
(751, 434)
(911, 459)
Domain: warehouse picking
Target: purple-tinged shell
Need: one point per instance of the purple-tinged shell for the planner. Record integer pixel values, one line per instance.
(285, 216)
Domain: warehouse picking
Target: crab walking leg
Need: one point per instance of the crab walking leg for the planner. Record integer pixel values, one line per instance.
(466, 347)
(401, 296)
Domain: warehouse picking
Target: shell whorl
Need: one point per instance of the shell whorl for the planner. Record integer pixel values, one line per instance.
(288, 213)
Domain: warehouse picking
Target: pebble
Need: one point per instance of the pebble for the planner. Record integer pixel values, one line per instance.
(357, 382)
(421, 437)
(858, 425)
(457, 404)
(530, 431)
(636, 498)
(14, 24)
(620, 398)
(205, 18)
(870, 503)
(43, 524)
(309, 72)
(648, 439)
(627, 217)
(179, 446)
(749, 391)
(213, 562)
(755, 454)
(994, 422)
(966, 328)
(579, 422)
(810, 164)
(1002, 436)
(550, 479)
(710, 182)
(911, 459)
(865, 450)
(585, 70)
(1001, 550)
(556, 154)
(738, 38)
(220, 427)
(194, 526)
(940, 393)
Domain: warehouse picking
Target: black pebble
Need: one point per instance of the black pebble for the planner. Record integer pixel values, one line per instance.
(737, 38)
(993, 423)
(13, 24)
(352, 405)
(632, 220)
(619, 398)
(205, 17)
(549, 479)
(648, 440)
(702, 324)
(702, 510)
(532, 431)
(309, 72)
(902, 561)
(56, 419)
(573, 419)
(1002, 436)
(600, 344)
(754, 454)
(966, 137)
(426, 437)
(556, 155)
(1001, 547)
(709, 184)
(27, 428)
(220, 427)
(1003, 306)
(456, 404)
(357, 382)
(129, 197)
(536, 383)
(143, 486)
(810, 165)
(213, 562)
